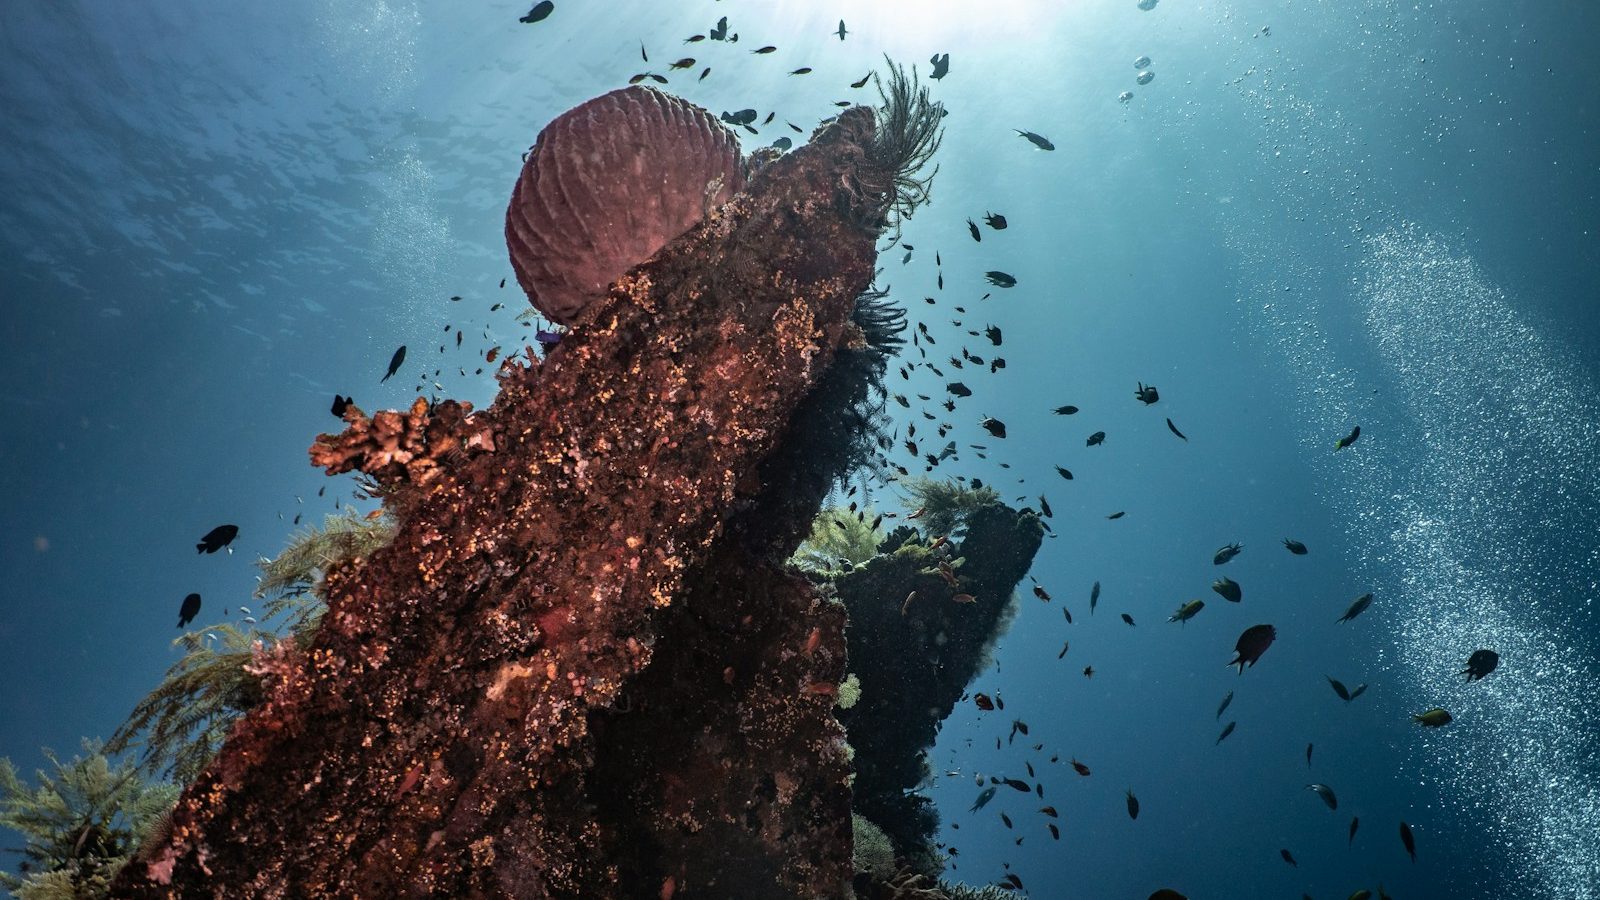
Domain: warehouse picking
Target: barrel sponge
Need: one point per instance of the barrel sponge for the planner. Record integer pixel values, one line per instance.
(609, 183)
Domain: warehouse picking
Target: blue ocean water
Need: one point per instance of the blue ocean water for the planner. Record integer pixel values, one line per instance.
(1314, 215)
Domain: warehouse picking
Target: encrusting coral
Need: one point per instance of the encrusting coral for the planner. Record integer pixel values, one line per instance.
(914, 655)
(494, 703)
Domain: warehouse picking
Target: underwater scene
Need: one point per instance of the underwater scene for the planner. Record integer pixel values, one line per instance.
(891, 450)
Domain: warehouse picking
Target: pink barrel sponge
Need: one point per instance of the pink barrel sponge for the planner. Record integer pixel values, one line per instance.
(608, 184)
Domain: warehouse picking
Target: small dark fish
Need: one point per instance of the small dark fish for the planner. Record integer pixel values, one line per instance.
(650, 75)
(1228, 589)
(340, 404)
(958, 389)
(1288, 858)
(1044, 507)
(1088, 671)
(539, 13)
(1338, 688)
(1117, 515)
(994, 426)
(1080, 768)
(1187, 611)
(1067, 614)
(992, 332)
(841, 32)
(503, 281)
(1127, 618)
(1000, 279)
(685, 63)
(941, 66)
(1308, 754)
(1357, 608)
(1226, 730)
(1226, 553)
(1066, 410)
(217, 538)
(995, 221)
(982, 701)
(694, 39)
(1063, 650)
(1438, 717)
(863, 82)
(1006, 819)
(720, 33)
(767, 49)
(770, 116)
(394, 363)
(1174, 429)
(1326, 793)
(1096, 439)
(1409, 841)
(1348, 439)
(1064, 473)
(1253, 642)
(783, 143)
(1038, 140)
(983, 799)
(642, 55)
(1355, 822)
(742, 117)
(1480, 663)
(545, 337)
(1226, 701)
(1147, 394)
(973, 228)
(1094, 597)
(1013, 881)
(189, 609)
(1295, 547)
(803, 70)
(1133, 806)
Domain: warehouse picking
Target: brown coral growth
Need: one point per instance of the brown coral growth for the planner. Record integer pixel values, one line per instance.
(436, 738)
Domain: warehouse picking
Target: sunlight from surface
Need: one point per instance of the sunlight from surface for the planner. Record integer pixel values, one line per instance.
(910, 25)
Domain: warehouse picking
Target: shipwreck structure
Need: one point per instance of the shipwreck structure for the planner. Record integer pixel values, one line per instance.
(581, 668)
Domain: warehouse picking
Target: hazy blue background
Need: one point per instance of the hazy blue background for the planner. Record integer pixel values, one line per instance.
(211, 219)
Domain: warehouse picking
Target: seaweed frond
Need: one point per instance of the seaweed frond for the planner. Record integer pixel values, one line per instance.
(838, 538)
(945, 504)
(289, 581)
(182, 723)
(907, 136)
(81, 822)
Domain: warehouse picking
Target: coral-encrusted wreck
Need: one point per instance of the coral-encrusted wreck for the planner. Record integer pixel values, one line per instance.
(580, 669)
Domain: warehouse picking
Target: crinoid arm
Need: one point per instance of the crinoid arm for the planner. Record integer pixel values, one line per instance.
(907, 136)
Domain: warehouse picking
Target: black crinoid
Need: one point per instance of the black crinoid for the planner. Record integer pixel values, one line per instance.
(910, 128)
(908, 131)
(836, 428)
